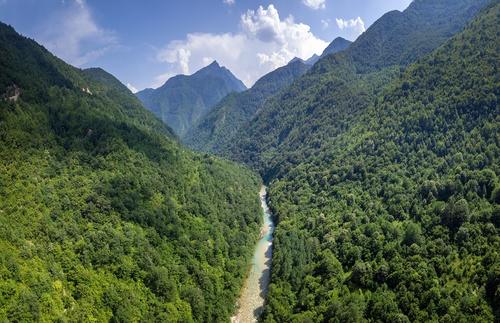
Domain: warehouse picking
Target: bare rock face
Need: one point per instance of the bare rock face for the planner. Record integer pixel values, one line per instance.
(12, 94)
(86, 90)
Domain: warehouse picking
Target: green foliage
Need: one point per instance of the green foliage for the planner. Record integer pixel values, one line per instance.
(395, 218)
(103, 215)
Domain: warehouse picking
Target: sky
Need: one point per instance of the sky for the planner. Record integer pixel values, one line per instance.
(145, 42)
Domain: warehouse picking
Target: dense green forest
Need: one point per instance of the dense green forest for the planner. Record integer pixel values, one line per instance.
(103, 215)
(392, 214)
(298, 121)
(383, 168)
(184, 99)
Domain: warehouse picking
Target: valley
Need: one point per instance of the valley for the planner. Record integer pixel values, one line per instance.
(358, 183)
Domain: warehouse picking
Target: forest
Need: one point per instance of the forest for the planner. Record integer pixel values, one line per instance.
(397, 219)
(104, 216)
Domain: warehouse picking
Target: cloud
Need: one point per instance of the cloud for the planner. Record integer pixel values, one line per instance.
(74, 36)
(132, 88)
(229, 2)
(315, 4)
(325, 23)
(357, 25)
(263, 43)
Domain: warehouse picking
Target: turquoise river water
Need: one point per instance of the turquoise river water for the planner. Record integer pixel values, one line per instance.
(253, 295)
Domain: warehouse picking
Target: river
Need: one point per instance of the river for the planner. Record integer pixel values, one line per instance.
(251, 301)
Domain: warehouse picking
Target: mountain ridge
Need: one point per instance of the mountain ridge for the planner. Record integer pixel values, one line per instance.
(215, 130)
(183, 99)
(394, 197)
(222, 123)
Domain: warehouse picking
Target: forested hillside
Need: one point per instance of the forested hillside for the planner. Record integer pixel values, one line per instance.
(184, 99)
(222, 123)
(395, 217)
(298, 121)
(103, 215)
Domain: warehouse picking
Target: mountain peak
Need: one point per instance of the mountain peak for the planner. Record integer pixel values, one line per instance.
(214, 64)
(313, 59)
(340, 39)
(184, 99)
(296, 59)
(337, 45)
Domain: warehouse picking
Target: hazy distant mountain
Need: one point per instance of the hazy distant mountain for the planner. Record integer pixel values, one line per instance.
(218, 126)
(183, 99)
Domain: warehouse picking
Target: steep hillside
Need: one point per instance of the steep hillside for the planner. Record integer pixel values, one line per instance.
(307, 115)
(397, 217)
(103, 215)
(183, 99)
(221, 124)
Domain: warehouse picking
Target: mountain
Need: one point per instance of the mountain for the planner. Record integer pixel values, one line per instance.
(220, 125)
(397, 217)
(382, 166)
(303, 117)
(337, 45)
(183, 99)
(104, 216)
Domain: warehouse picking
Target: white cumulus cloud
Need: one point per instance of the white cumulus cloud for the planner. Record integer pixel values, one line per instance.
(229, 2)
(263, 43)
(356, 25)
(74, 36)
(132, 88)
(315, 4)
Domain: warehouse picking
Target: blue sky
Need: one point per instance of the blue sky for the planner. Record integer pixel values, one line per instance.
(143, 43)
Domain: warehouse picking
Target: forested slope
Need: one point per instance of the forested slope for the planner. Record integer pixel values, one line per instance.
(301, 119)
(103, 215)
(223, 122)
(397, 217)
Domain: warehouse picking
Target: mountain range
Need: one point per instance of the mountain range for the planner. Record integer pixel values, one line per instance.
(382, 163)
(381, 157)
(218, 127)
